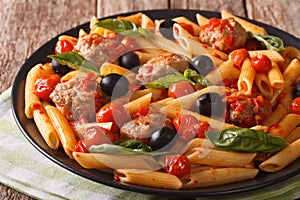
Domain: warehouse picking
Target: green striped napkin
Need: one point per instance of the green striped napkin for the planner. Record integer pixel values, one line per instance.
(22, 167)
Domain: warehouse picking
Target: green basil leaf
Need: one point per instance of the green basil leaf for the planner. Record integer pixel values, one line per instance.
(116, 149)
(123, 27)
(271, 42)
(246, 140)
(195, 77)
(75, 61)
(134, 144)
(166, 81)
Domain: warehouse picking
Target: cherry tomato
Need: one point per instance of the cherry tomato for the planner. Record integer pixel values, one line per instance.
(45, 85)
(80, 147)
(115, 113)
(261, 63)
(63, 46)
(184, 125)
(178, 165)
(179, 89)
(295, 106)
(238, 56)
(95, 136)
(201, 128)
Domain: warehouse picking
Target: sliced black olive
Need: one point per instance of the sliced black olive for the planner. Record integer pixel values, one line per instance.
(129, 60)
(59, 68)
(114, 85)
(210, 103)
(296, 91)
(162, 138)
(166, 29)
(203, 64)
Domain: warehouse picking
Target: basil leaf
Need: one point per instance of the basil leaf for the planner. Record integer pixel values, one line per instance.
(116, 149)
(195, 77)
(166, 81)
(75, 61)
(134, 144)
(123, 27)
(246, 140)
(271, 42)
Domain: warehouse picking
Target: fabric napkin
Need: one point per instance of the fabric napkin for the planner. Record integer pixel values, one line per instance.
(25, 169)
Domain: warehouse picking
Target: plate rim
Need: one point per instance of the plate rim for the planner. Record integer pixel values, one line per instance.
(130, 187)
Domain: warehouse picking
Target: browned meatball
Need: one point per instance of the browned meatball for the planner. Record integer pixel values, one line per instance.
(223, 34)
(160, 66)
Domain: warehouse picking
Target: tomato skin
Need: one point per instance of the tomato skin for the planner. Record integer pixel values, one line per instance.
(115, 113)
(238, 56)
(180, 89)
(261, 63)
(45, 85)
(178, 165)
(63, 46)
(80, 147)
(95, 136)
(184, 125)
(295, 106)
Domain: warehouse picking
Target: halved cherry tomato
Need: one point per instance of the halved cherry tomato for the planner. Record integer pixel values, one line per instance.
(45, 85)
(178, 165)
(184, 125)
(238, 56)
(201, 128)
(261, 63)
(115, 113)
(80, 147)
(295, 106)
(180, 89)
(63, 46)
(96, 135)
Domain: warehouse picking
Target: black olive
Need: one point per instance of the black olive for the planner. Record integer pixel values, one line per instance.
(59, 68)
(210, 103)
(166, 29)
(296, 91)
(162, 138)
(203, 64)
(114, 85)
(129, 60)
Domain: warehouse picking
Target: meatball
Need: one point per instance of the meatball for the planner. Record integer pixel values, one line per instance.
(223, 34)
(247, 111)
(78, 98)
(160, 66)
(142, 127)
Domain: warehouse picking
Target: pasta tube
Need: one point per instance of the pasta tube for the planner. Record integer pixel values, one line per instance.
(149, 178)
(63, 128)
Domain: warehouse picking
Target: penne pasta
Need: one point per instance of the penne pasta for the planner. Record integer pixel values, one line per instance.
(142, 102)
(294, 135)
(149, 178)
(220, 158)
(246, 77)
(282, 158)
(30, 97)
(218, 176)
(113, 161)
(184, 20)
(277, 115)
(286, 125)
(63, 129)
(275, 77)
(45, 126)
(248, 26)
(201, 20)
(262, 82)
(274, 56)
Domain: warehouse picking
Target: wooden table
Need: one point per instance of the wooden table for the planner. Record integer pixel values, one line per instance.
(27, 24)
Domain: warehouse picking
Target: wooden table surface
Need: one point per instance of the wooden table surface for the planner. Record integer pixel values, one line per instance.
(27, 24)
